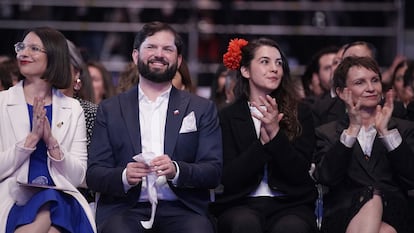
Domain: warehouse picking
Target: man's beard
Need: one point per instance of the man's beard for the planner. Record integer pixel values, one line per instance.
(157, 76)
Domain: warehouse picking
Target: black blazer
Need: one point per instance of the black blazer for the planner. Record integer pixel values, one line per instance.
(244, 157)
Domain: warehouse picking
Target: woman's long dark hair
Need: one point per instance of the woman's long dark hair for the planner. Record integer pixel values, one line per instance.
(285, 95)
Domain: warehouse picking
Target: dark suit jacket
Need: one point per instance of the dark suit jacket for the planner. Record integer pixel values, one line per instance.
(245, 158)
(327, 109)
(346, 171)
(410, 111)
(116, 139)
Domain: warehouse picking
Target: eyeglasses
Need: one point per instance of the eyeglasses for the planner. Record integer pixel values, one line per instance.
(20, 46)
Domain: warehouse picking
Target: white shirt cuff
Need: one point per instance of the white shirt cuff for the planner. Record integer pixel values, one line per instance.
(347, 139)
(392, 140)
(175, 179)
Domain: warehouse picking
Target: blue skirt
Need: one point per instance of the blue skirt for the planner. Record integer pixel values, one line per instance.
(65, 212)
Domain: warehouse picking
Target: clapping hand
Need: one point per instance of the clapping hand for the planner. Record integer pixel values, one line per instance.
(41, 128)
(270, 118)
(354, 112)
(383, 113)
(39, 118)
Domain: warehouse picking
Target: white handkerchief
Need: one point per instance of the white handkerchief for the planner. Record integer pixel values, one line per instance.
(189, 123)
(151, 180)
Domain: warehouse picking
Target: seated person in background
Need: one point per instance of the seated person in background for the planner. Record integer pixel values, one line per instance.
(127, 78)
(366, 159)
(409, 87)
(81, 88)
(221, 89)
(268, 139)
(317, 78)
(103, 87)
(182, 79)
(9, 72)
(6, 80)
(397, 83)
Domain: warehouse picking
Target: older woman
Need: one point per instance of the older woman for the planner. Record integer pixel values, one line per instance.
(366, 159)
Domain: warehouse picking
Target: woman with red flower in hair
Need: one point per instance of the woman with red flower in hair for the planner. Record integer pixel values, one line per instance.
(268, 140)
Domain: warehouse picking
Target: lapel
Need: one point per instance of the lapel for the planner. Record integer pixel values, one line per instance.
(176, 111)
(17, 111)
(242, 123)
(61, 115)
(378, 148)
(130, 112)
(377, 151)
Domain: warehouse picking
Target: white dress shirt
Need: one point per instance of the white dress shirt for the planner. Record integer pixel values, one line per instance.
(153, 115)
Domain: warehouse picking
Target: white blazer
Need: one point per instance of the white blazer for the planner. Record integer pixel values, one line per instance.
(69, 129)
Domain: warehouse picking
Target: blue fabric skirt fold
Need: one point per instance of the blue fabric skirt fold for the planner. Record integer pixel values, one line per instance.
(65, 212)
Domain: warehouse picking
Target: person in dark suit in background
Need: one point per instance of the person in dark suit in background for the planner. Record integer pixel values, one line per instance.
(317, 78)
(365, 159)
(178, 134)
(268, 139)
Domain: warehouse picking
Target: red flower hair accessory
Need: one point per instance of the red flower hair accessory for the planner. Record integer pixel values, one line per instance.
(232, 57)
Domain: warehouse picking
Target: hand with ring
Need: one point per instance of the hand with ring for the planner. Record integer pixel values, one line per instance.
(39, 112)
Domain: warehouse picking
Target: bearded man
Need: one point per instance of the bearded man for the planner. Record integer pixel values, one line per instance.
(155, 150)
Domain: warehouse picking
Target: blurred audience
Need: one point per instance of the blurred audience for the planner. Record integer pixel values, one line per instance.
(397, 81)
(182, 79)
(222, 86)
(6, 80)
(9, 72)
(81, 87)
(409, 87)
(409, 82)
(101, 81)
(128, 78)
(316, 79)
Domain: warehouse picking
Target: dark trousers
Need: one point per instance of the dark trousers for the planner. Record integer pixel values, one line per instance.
(171, 217)
(267, 215)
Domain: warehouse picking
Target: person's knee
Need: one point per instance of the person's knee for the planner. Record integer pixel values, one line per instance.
(239, 222)
(117, 222)
(291, 224)
(200, 224)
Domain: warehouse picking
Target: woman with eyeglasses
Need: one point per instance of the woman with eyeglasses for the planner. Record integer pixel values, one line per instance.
(43, 152)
